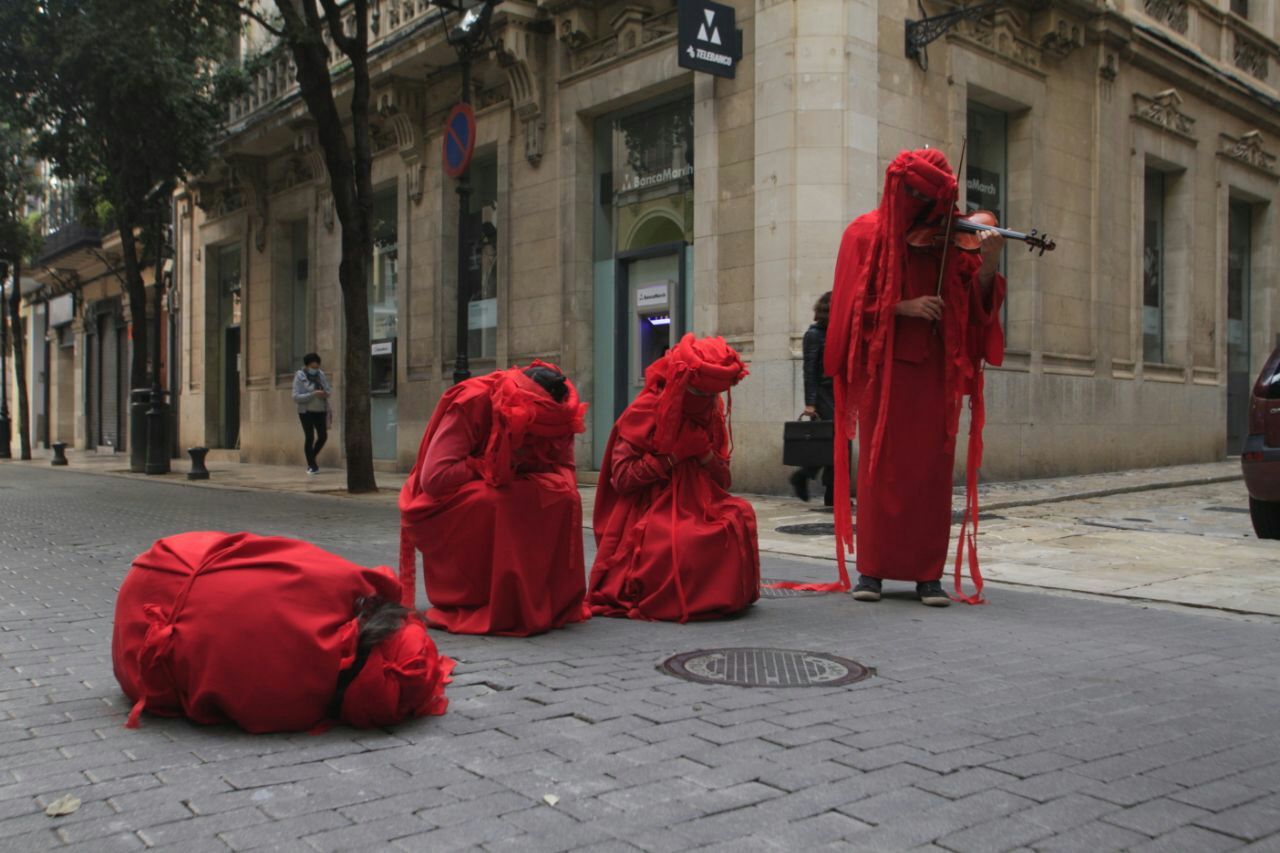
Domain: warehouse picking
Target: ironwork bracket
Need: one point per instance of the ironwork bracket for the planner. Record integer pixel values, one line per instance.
(919, 34)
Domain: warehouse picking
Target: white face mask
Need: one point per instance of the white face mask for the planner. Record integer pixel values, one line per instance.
(313, 371)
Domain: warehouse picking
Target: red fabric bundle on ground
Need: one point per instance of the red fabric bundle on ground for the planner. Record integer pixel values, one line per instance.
(672, 543)
(493, 505)
(256, 630)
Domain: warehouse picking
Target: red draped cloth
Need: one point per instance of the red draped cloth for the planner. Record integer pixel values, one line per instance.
(900, 382)
(261, 631)
(672, 543)
(493, 505)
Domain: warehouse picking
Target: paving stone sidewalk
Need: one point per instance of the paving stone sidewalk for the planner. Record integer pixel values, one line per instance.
(1037, 722)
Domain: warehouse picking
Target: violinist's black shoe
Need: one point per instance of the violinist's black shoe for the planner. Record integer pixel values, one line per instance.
(867, 589)
(931, 594)
(800, 484)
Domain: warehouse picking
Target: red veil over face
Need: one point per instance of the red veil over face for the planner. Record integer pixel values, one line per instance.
(261, 631)
(672, 543)
(869, 283)
(502, 548)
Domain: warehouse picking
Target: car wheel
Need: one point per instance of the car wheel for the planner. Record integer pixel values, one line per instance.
(1266, 518)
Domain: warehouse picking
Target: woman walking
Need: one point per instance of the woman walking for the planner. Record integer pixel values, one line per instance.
(311, 391)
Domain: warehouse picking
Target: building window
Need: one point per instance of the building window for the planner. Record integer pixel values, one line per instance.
(292, 280)
(986, 174)
(1240, 7)
(1153, 227)
(1239, 247)
(482, 260)
(383, 276)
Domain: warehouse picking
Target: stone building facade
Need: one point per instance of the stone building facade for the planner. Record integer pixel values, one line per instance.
(620, 200)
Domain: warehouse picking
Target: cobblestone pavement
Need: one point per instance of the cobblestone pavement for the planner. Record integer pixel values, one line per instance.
(1045, 722)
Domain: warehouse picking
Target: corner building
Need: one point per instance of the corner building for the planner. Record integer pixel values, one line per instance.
(620, 200)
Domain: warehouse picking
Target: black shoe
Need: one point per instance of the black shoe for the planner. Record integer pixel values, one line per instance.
(867, 589)
(931, 595)
(800, 484)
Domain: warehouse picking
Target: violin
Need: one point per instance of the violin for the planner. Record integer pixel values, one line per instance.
(966, 234)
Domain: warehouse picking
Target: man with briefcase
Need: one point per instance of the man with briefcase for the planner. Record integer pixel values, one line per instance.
(808, 441)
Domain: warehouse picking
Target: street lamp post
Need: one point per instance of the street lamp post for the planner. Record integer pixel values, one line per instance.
(6, 434)
(462, 367)
(466, 38)
(157, 459)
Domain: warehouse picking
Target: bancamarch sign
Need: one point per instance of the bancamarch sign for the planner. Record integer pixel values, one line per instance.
(707, 39)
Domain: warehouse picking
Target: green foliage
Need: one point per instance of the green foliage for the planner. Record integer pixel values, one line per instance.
(19, 231)
(123, 92)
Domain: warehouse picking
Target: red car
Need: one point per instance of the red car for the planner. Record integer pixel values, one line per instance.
(1261, 457)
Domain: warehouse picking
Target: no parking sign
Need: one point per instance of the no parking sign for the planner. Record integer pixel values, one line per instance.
(459, 139)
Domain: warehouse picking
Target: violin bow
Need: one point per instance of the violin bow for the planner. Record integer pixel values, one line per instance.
(946, 243)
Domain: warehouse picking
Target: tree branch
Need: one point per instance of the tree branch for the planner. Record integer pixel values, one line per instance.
(248, 12)
(334, 16)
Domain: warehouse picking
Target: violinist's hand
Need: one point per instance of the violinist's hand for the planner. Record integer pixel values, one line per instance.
(990, 248)
(922, 307)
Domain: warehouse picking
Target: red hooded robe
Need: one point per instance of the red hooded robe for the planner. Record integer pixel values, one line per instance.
(493, 505)
(261, 631)
(672, 543)
(900, 382)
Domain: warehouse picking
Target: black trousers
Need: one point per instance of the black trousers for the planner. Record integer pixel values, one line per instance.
(315, 426)
(826, 406)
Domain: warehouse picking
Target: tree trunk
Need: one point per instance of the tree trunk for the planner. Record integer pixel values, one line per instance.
(20, 360)
(137, 302)
(353, 205)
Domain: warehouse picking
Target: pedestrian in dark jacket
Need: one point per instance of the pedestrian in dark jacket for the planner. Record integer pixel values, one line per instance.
(311, 391)
(819, 398)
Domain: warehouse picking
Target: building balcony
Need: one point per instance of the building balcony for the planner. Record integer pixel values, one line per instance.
(391, 22)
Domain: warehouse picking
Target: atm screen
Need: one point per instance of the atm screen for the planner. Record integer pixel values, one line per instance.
(655, 338)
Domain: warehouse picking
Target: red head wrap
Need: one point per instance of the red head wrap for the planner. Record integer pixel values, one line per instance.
(708, 366)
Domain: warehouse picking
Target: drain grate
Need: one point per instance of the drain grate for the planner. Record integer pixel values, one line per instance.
(756, 667)
(768, 592)
(816, 528)
(1241, 509)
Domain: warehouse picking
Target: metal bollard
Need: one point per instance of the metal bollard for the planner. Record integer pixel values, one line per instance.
(198, 471)
(59, 453)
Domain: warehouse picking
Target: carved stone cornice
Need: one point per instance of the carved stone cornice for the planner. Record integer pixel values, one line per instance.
(401, 105)
(1248, 150)
(632, 28)
(1164, 111)
(522, 52)
(1003, 34)
(1057, 34)
(249, 174)
(1172, 13)
(307, 152)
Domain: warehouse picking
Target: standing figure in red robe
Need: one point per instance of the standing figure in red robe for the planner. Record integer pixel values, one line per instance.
(672, 543)
(493, 505)
(272, 634)
(903, 356)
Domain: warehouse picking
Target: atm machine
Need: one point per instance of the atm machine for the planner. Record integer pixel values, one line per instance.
(651, 319)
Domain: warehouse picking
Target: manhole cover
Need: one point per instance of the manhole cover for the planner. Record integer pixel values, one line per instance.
(765, 668)
(773, 592)
(1242, 509)
(816, 528)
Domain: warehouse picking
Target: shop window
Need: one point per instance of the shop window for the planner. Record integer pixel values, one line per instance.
(1240, 7)
(482, 260)
(292, 289)
(1153, 272)
(987, 170)
(383, 276)
(652, 176)
(1239, 248)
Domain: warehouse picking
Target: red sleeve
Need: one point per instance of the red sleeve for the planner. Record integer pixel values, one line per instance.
(984, 320)
(449, 463)
(632, 469)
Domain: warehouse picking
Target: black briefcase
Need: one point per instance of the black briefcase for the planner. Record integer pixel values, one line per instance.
(807, 443)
